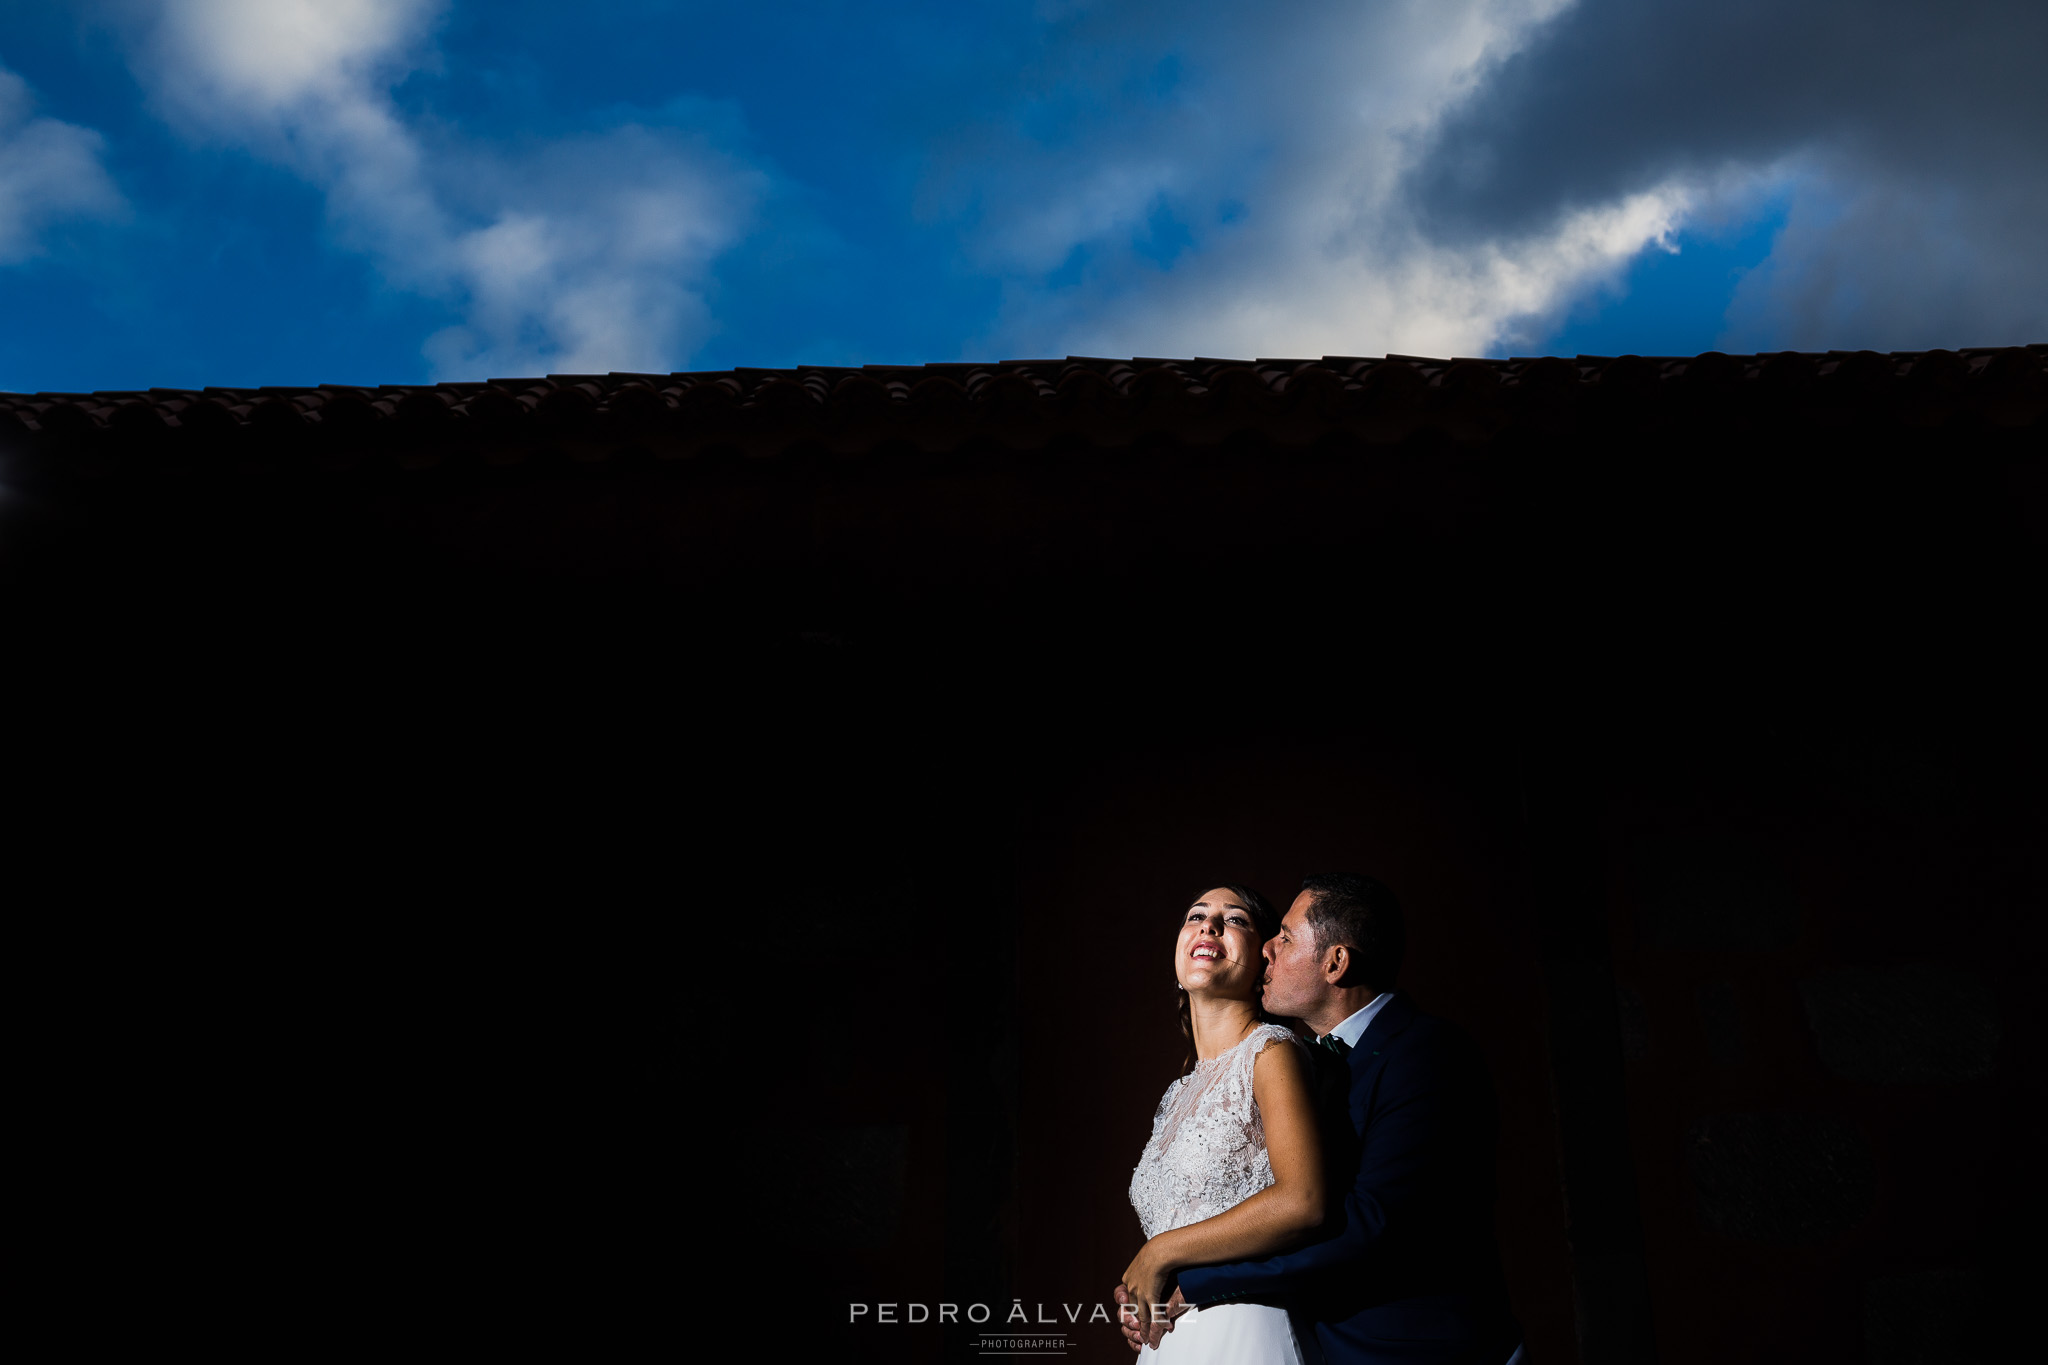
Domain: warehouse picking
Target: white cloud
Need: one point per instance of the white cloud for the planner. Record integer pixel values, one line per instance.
(593, 254)
(1392, 290)
(262, 58)
(49, 171)
(582, 254)
(1279, 158)
(1437, 177)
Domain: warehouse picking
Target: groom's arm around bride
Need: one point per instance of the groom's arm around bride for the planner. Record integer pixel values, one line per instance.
(1407, 1268)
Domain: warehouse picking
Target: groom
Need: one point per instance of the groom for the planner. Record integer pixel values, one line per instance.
(1406, 1268)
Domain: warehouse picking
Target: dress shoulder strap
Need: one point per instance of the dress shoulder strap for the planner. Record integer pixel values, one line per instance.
(1267, 1034)
(1258, 1040)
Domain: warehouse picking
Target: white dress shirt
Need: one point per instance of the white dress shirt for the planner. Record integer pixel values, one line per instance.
(1354, 1028)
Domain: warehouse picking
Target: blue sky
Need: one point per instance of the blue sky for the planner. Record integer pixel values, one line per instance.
(389, 191)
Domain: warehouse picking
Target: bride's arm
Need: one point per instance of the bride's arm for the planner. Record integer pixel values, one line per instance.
(1277, 1217)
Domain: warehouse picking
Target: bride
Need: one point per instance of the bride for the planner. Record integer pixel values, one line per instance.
(1234, 1168)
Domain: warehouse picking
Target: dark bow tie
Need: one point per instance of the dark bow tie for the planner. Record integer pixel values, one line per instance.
(1335, 1044)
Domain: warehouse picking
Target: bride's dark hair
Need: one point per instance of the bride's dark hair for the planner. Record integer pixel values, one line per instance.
(1265, 920)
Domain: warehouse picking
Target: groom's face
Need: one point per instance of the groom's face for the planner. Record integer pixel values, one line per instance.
(1294, 974)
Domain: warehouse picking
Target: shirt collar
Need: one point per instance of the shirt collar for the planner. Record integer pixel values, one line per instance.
(1354, 1027)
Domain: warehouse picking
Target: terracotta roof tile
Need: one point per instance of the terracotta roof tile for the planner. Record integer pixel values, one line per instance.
(1024, 404)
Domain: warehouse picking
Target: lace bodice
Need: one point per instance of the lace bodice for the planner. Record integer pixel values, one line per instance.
(1208, 1146)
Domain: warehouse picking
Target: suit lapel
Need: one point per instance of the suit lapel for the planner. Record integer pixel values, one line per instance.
(1394, 1016)
(1369, 1056)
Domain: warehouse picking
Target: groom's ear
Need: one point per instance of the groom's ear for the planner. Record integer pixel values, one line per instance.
(1340, 965)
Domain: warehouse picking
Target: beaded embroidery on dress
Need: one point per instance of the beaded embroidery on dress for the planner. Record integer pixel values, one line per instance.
(1208, 1155)
(1208, 1147)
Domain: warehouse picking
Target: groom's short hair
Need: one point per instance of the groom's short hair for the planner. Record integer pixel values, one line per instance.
(1360, 913)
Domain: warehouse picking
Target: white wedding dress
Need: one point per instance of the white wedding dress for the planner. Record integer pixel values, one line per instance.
(1208, 1154)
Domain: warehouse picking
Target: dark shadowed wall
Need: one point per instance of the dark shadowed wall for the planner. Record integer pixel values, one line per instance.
(572, 865)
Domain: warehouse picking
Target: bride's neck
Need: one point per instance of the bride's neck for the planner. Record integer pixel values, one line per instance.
(1220, 1023)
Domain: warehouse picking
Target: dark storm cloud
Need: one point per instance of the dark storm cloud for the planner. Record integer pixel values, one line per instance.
(1616, 95)
(1907, 136)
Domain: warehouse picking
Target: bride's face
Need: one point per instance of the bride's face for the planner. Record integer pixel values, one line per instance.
(1218, 948)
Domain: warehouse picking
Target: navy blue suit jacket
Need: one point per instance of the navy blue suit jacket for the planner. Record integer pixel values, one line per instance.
(1407, 1269)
